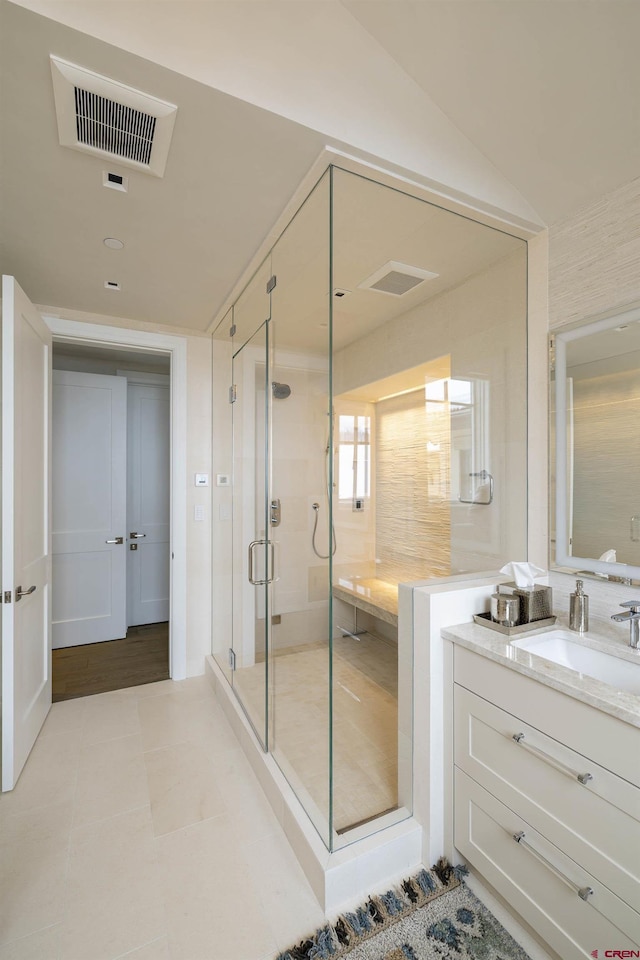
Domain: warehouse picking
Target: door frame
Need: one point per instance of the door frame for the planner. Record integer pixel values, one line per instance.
(138, 378)
(78, 331)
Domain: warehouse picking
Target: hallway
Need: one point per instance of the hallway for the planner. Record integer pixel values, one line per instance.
(141, 657)
(138, 829)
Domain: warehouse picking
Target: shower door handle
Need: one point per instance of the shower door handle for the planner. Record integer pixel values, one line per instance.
(268, 579)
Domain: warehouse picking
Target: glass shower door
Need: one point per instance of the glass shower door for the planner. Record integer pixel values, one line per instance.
(252, 547)
(300, 443)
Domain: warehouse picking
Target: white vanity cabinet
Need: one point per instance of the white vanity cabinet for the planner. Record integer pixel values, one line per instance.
(547, 806)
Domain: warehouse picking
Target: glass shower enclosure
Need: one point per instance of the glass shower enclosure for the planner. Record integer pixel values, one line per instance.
(362, 440)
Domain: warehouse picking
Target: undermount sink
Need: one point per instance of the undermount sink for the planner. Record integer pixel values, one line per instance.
(560, 647)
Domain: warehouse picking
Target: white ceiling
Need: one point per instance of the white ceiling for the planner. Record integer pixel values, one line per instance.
(232, 167)
(545, 89)
(528, 107)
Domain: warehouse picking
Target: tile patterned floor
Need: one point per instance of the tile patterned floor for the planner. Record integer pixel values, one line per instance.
(138, 830)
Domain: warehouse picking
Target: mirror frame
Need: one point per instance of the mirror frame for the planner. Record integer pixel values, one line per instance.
(563, 558)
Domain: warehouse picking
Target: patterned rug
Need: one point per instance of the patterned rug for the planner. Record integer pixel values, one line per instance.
(432, 916)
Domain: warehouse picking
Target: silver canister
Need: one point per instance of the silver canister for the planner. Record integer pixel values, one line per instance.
(505, 609)
(535, 604)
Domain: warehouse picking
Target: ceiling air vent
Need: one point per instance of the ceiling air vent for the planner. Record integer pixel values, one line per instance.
(108, 119)
(396, 278)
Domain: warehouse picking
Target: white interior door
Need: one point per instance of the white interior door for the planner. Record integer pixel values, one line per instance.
(89, 508)
(26, 567)
(148, 499)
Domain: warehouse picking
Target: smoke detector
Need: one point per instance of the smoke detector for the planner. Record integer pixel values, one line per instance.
(108, 119)
(396, 278)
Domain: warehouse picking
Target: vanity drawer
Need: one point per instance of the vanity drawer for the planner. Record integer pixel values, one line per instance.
(539, 880)
(611, 742)
(597, 823)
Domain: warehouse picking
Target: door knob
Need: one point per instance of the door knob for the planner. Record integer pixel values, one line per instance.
(116, 540)
(136, 536)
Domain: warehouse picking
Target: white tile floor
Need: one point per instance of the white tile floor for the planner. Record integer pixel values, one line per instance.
(138, 830)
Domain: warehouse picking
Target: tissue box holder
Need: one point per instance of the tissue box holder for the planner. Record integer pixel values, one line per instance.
(535, 604)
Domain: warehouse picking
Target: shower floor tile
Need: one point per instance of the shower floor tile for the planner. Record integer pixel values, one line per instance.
(365, 723)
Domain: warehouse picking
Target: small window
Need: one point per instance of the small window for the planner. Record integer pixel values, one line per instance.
(354, 461)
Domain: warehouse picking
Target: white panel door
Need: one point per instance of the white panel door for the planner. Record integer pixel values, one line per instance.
(148, 498)
(26, 567)
(89, 508)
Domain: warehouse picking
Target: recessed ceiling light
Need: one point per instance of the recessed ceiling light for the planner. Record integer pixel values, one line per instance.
(113, 243)
(112, 285)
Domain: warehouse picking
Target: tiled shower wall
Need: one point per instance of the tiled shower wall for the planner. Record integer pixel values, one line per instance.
(413, 514)
(481, 325)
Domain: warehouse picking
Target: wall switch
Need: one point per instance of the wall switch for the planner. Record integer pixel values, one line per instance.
(202, 479)
(198, 512)
(223, 480)
(224, 511)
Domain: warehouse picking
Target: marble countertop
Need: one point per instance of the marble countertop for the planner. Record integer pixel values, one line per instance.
(374, 596)
(496, 646)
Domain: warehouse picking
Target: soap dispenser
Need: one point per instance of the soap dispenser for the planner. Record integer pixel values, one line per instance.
(579, 609)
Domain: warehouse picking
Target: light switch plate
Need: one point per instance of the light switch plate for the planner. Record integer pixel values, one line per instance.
(202, 479)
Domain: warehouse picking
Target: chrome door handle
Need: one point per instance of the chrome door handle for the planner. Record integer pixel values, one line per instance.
(20, 593)
(116, 540)
(268, 579)
(255, 543)
(136, 536)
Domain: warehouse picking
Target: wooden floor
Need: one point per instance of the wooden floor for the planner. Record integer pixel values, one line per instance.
(142, 657)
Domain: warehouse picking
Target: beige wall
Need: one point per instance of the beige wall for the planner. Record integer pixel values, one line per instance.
(198, 533)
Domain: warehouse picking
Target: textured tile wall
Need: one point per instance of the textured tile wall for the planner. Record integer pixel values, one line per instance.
(413, 514)
(594, 258)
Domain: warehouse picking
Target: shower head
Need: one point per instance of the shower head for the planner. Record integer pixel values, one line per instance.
(280, 390)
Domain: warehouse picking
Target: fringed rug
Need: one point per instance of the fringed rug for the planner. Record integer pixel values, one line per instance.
(431, 916)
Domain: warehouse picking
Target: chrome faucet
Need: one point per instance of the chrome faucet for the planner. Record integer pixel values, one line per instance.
(633, 617)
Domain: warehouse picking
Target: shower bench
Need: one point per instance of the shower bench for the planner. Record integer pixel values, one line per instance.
(375, 597)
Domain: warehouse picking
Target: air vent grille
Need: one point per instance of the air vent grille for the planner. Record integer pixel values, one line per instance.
(113, 127)
(396, 283)
(105, 118)
(396, 278)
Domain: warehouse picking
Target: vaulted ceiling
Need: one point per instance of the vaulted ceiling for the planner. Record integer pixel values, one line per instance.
(524, 108)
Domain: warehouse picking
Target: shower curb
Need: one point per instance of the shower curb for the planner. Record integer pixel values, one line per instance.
(345, 876)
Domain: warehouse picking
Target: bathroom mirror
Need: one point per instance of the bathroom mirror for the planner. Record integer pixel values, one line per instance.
(597, 447)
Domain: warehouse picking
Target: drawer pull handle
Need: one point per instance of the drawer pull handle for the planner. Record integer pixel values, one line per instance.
(583, 892)
(582, 778)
